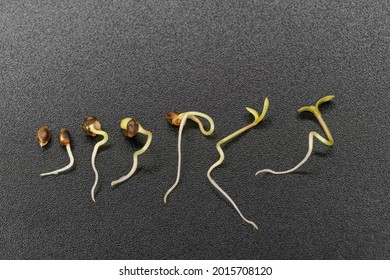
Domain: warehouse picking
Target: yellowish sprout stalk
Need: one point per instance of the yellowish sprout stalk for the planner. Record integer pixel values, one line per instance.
(257, 119)
(64, 139)
(131, 127)
(180, 120)
(92, 127)
(329, 142)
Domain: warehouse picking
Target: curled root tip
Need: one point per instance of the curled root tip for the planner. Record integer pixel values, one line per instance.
(165, 199)
(261, 172)
(252, 224)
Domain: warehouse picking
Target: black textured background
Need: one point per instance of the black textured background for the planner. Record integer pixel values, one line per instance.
(61, 61)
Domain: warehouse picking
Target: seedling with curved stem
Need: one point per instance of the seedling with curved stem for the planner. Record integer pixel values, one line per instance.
(92, 127)
(43, 135)
(131, 127)
(177, 119)
(257, 119)
(64, 139)
(329, 142)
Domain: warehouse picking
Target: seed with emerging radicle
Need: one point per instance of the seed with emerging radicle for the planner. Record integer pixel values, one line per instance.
(92, 127)
(131, 127)
(43, 135)
(177, 119)
(64, 140)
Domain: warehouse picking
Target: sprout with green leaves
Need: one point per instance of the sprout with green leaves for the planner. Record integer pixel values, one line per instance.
(64, 139)
(177, 119)
(132, 127)
(329, 142)
(257, 119)
(92, 127)
(43, 135)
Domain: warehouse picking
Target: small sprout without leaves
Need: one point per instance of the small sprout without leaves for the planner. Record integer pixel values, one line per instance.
(257, 119)
(92, 127)
(177, 119)
(131, 127)
(43, 135)
(64, 139)
(329, 142)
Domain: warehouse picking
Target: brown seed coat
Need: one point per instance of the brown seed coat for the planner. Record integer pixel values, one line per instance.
(64, 137)
(132, 128)
(91, 120)
(43, 135)
(172, 118)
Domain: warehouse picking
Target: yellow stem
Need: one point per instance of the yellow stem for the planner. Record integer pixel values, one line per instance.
(330, 140)
(193, 116)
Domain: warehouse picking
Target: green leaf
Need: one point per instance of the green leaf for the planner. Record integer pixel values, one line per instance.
(324, 99)
(265, 108)
(258, 117)
(307, 108)
(253, 112)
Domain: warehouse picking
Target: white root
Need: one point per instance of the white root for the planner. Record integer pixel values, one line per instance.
(94, 153)
(226, 195)
(69, 166)
(182, 124)
(135, 160)
(311, 142)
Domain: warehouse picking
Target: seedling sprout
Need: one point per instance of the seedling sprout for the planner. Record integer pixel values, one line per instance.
(257, 119)
(64, 139)
(43, 135)
(92, 127)
(131, 127)
(329, 142)
(177, 119)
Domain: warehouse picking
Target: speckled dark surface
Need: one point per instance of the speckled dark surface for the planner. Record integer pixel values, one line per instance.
(61, 61)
